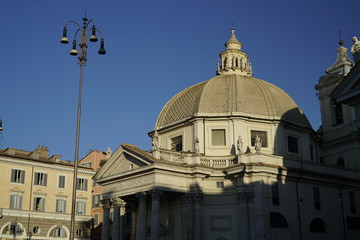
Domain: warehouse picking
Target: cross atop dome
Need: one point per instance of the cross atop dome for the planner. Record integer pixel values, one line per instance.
(233, 60)
(233, 43)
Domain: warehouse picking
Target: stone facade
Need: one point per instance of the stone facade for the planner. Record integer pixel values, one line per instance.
(234, 157)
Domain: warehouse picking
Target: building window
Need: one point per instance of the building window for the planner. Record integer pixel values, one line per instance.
(220, 184)
(58, 232)
(36, 230)
(96, 219)
(177, 143)
(79, 233)
(61, 182)
(353, 223)
(80, 207)
(40, 179)
(39, 204)
(277, 220)
(60, 205)
(218, 137)
(81, 184)
(316, 192)
(16, 229)
(87, 164)
(311, 152)
(17, 176)
(262, 135)
(339, 118)
(352, 202)
(317, 225)
(96, 200)
(15, 202)
(293, 144)
(275, 193)
(340, 162)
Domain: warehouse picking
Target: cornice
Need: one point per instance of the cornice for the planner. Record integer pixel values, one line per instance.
(21, 162)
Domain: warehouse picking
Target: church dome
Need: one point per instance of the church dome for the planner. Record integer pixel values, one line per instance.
(232, 95)
(234, 92)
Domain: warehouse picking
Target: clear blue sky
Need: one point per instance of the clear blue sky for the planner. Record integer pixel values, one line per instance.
(154, 50)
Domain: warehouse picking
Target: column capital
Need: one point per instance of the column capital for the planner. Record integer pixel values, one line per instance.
(118, 202)
(106, 203)
(155, 193)
(141, 194)
(188, 198)
(198, 196)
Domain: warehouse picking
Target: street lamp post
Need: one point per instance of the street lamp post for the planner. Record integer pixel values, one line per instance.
(82, 53)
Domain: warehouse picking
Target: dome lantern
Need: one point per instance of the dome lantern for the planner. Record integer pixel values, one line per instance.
(233, 60)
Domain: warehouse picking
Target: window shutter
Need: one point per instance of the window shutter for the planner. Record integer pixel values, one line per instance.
(45, 179)
(22, 176)
(12, 175)
(36, 179)
(64, 206)
(42, 204)
(12, 201)
(20, 202)
(85, 184)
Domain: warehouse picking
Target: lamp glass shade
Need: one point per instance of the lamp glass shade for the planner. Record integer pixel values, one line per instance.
(73, 52)
(102, 50)
(93, 37)
(64, 39)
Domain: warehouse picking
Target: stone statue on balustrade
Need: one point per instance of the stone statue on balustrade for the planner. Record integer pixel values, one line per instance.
(155, 141)
(257, 144)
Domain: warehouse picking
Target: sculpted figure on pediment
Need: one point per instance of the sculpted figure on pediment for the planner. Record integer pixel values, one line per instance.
(356, 45)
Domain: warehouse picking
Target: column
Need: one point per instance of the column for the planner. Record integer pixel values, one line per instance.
(246, 199)
(141, 224)
(122, 219)
(198, 196)
(187, 225)
(132, 210)
(155, 213)
(116, 221)
(105, 223)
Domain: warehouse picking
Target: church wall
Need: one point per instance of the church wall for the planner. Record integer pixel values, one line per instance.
(220, 220)
(349, 152)
(184, 131)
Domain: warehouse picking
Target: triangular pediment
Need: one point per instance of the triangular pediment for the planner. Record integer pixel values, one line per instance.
(126, 158)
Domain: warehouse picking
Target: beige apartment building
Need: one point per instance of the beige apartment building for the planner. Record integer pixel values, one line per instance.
(37, 194)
